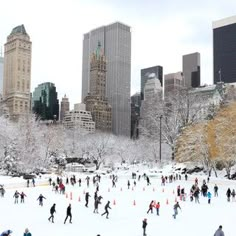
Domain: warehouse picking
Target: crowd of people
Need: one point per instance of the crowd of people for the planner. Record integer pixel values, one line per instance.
(59, 186)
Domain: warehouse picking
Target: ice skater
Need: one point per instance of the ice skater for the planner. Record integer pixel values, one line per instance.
(176, 206)
(16, 196)
(144, 227)
(107, 206)
(40, 198)
(52, 211)
(87, 196)
(68, 214)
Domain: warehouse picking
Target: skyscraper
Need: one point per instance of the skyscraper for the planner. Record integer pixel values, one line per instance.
(45, 102)
(150, 73)
(17, 72)
(224, 50)
(1, 75)
(173, 81)
(96, 101)
(115, 39)
(135, 114)
(65, 106)
(191, 70)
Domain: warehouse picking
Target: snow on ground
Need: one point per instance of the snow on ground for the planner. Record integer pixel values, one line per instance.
(125, 218)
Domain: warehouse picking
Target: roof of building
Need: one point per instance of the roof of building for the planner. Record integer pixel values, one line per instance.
(19, 29)
(224, 22)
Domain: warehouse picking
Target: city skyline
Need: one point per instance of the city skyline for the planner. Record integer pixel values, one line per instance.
(159, 37)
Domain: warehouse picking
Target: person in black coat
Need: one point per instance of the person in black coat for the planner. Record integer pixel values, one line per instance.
(107, 206)
(52, 211)
(144, 226)
(228, 194)
(40, 198)
(68, 214)
(87, 199)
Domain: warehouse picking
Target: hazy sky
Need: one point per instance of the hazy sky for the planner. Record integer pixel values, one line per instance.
(162, 31)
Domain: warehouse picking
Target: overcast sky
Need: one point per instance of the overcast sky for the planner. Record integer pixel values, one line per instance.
(162, 31)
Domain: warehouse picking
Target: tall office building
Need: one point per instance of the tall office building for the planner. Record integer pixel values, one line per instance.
(45, 102)
(224, 50)
(65, 106)
(96, 101)
(115, 39)
(17, 72)
(191, 70)
(150, 73)
(1, 75)
(173, 82)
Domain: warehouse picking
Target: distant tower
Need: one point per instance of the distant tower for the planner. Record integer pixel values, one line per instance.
(17, 72)
(150, 73)
(65, 106)
(115, 39)
(96, 101)
(191, 70)
(45, 102)
(224, 50)
(173, 82)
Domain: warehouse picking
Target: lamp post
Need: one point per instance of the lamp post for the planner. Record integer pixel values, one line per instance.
(160, 138)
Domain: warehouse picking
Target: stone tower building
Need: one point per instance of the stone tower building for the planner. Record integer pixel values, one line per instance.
(17, 72)
(96, 101)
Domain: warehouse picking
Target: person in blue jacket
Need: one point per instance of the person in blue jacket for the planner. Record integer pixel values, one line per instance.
(6, 233)
(209, 197)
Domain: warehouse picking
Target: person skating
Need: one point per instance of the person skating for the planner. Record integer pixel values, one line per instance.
(22, 197)
(150, 207)
(157, 208)
(97, 201)
(219, 232)
(233, 195)
(216, 190)
(16, 196)
(40, 198)
(87, 199)
(209, 197)
(228, 194)
(27, 233)
(52, 211)
(68, 214)
(6, 233)
(107, 206)
(176, 206)
(144, 226)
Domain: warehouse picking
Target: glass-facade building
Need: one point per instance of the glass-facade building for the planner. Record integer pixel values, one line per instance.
(115, 39)
(224, 50)
(149, 73)
(45, 102)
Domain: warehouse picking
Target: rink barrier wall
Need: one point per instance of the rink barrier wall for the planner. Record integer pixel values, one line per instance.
(24, 184)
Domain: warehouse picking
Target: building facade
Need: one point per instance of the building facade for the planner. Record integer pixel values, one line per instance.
(79, 119)
(149, 73)
(149, 106)
(17, 72)
(172, 82)
(65, 106)
(1, 75)
(45, 102)
(96, 101)
(224, 50)
(191, 70)
(135, 115)
(115, 39)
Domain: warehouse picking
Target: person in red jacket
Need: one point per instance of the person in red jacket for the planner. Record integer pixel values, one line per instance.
(157, 208)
